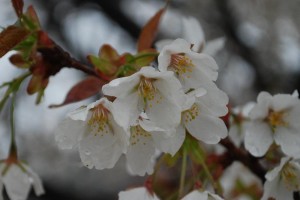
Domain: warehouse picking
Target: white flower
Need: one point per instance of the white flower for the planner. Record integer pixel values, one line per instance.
(197, 195)
(140, 193)
(158, 94)
(193, 70)
(17, 179)
(283, 180)
(201, 119)
(101, 140)
(274, 118)
(238, 123)
(145, 138)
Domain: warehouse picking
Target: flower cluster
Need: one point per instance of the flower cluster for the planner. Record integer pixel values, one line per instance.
(152, 111)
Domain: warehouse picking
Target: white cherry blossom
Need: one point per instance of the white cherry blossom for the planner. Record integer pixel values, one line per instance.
(274, 118)
(283, 180)
(201, 118)
(158, 94)
(145, 140)
(194, 70)
(93, 128)
(140, 193)
(197, 195)
(17, 178)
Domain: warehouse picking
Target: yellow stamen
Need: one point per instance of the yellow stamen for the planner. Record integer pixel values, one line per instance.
(146, 88)
(192, 113)
(290, 177)
(181, 64)
(136, 133)
(276, 118)
(99, 120)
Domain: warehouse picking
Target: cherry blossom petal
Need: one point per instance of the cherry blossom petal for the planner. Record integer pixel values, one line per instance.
(289, 140)
(97, 145)
(140, 193)
(215, 100)
(17, 183)
(79, 114)
(205, 64)
(197, 195)
(261, 109)
(125, 110)
(35, 181)
(121, 87)
(169, 143)
(258, 138)
(139, 155)
(206, 128)
(68, 133)
(164, 113)
(277, 190)
(284, 101)
(193, 33)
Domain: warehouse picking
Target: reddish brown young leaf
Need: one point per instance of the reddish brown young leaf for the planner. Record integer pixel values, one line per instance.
(82, 90)
(149, 31)
(107, 52)
(18, 61)
(31, 13)
(18, 6)
(10, 37)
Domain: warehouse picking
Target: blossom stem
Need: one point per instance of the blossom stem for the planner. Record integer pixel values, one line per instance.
(13, 146)
(183, 172)
(216, 185)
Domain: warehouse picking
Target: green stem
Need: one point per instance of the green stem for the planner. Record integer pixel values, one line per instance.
(183, 172)
(216, 185)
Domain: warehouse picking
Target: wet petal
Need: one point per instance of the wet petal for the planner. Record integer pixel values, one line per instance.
(68, 133)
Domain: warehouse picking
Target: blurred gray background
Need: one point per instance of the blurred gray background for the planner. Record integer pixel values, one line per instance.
(262, 52)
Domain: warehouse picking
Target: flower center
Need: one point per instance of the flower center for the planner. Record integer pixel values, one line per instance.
(291, 177)
(191, 113)
(138, 134)
(276, 119)
(146, 88)
(181, 64)
(99, 119)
